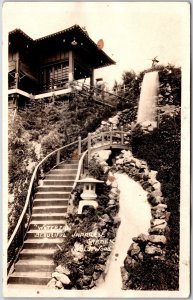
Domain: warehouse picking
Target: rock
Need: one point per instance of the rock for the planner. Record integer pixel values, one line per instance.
(62, 270)
(104, 123)
(159, 213)
(99, 268)
(59, 285)
(160, 206)
(62, 277)
(114, 184)
(159, 223)
(142, 238)
(96, 275)
(134, 249)
(130, 263)
(117, 220)
(161, 239)
(157, 193)
(140, 255)
(89, 270)
(111, 202)
(52, 283)
(153, 200)
(120, 161)
(101, 224)
(153, 250)
(138, 164)
(146, 185)
(105, 218)
(155, 230)
(113, 196)
(115, 191)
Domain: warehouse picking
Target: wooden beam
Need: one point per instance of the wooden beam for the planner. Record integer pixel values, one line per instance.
(71, 66)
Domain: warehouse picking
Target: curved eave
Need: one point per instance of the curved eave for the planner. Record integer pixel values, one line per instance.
(78, 30)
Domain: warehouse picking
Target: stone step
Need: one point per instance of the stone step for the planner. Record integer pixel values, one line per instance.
(60, 177)
(33, 278)
(37, 254)
(49, 209)
(33, 287)
(50, 202)
(39, 223)
(63, 172)
(52, 195)
(67, 166)
(50, 217)
(53, 188)
(43, 243)
(57, 182)
(42, 234)
(32, 265)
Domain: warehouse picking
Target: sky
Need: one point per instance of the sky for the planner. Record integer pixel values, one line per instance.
(133, 33)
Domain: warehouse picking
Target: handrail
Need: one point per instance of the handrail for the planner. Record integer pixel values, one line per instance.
(23, 223)
(30, 189)
(79, 168)
(34, 177)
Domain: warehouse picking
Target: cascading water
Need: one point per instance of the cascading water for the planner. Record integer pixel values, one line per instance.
(147, 109)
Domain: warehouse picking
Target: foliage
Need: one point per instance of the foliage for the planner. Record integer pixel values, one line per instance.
(154, 275)
(170, 86)
(161, 150)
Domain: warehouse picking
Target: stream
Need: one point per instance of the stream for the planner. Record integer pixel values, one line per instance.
(135, 218)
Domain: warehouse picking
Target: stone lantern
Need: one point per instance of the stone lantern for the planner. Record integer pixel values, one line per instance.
(89, 193)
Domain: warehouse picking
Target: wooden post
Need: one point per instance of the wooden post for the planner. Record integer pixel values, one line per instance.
(71, 67)
(89, 146)
(58, 157)
(122, 136)
(79, 147)
(17, 70)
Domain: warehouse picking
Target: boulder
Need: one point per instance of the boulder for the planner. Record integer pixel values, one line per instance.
(142, 238)
(160, 206)
(59, 285)
(61, 277)
(153, 200)
(153, 250)
(62, 270)
(96, 275)
(115, 190)
(159, 214)
(120, 161)
(130, 263)
(99, 268)
(160, 239)
(111, 202)
(105, 218)
(158, 223)
(157, 231)
(114, 184)
(134, 249)
(52, 283)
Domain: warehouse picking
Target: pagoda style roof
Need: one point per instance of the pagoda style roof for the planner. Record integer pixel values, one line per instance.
(63, 39)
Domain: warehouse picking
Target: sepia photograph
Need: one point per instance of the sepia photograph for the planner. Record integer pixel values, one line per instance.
(96, 149)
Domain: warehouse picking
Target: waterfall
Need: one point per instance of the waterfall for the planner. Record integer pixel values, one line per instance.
(147, 111)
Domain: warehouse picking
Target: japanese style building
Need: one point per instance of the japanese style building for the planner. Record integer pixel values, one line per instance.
(46, 65)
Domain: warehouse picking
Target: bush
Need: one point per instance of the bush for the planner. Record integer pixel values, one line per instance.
(161, 150)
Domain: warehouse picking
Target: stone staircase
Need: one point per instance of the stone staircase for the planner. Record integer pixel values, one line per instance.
(46, 231)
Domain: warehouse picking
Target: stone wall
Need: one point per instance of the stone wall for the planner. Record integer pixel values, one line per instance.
(153, 243)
